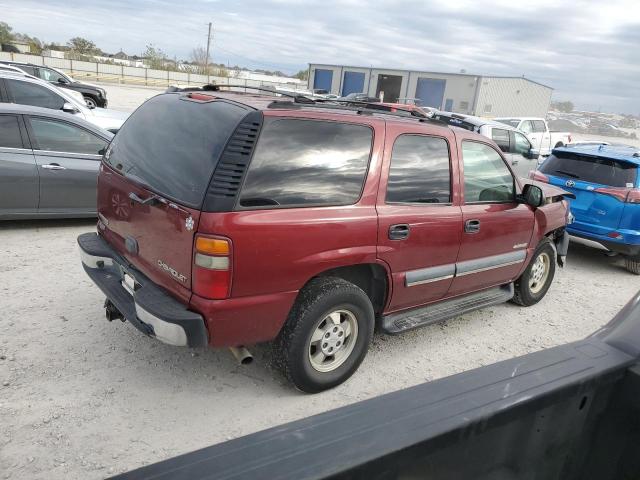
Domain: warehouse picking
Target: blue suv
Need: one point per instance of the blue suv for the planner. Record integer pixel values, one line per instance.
(605, 181)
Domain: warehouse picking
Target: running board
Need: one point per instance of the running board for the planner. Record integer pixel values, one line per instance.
(437, 312)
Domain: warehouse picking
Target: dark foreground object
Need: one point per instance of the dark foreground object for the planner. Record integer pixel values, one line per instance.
(570, 412)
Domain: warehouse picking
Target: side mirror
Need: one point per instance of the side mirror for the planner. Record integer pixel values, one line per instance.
(532, 195)
(69, 108)
(533, 154)
(62, 80)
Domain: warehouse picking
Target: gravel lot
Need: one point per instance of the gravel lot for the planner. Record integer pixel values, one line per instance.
(84, 398)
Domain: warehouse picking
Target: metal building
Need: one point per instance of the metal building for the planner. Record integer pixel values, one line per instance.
(481, 95)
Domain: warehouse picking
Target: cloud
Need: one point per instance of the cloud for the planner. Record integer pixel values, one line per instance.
(587, 51)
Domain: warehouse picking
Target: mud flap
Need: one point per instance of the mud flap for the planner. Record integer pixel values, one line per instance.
(561, 243)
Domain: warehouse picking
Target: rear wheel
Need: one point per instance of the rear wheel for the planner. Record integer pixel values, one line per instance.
(533, 284)
(326, 336)
(559, 144)
(632, 265)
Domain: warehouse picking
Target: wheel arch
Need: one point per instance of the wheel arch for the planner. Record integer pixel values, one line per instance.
(373, 278)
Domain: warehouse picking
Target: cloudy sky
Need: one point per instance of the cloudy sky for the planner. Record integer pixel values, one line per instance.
(587, 50)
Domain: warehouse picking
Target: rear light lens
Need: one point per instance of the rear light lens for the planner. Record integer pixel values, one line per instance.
(212, 267)
(537, 176)
(627, 195)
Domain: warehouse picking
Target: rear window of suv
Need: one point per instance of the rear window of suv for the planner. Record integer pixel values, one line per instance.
(604, 171)
(301, 163)
(172, 146)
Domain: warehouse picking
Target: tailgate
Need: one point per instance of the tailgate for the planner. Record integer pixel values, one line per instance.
(153, 180)
(593, 211)
(157, 237)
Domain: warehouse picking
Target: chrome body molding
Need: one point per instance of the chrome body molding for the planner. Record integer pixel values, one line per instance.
(468, 267)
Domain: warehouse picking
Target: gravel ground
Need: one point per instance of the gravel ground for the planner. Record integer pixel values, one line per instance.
(82, 398)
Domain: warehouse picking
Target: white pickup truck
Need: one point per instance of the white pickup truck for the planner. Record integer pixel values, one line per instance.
(537, 131)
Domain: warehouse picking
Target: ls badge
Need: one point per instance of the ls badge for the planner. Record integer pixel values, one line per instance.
(189, 223)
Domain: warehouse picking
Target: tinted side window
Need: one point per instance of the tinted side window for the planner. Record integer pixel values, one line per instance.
(522, 145)
(307, 162)
(486, 177)
(49, 75)
(27, 69)
(25, 93)
(58, 136)
(10, 132)
(538, 126)
(501, 137)
(600, 170)
(419, 171)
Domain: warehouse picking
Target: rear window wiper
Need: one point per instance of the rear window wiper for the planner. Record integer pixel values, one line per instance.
(572, 175)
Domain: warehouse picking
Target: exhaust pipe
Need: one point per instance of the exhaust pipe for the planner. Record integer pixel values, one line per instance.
(243, 356)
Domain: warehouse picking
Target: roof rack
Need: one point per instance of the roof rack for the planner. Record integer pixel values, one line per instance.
(298, 100)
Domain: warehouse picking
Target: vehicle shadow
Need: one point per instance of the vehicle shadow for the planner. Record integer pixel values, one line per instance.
(46, 223)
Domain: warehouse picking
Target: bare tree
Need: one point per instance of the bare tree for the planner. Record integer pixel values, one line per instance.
(199, 57)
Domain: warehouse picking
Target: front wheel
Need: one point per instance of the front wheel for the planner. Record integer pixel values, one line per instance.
(91, 103)
(533, 284)
(326, 336)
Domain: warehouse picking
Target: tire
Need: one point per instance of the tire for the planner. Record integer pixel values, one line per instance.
(533, 284)
(330, 309)
(90, 101)
(632, 265)
(559, 144)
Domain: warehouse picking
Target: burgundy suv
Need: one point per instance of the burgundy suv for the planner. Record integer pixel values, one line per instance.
(229, 219)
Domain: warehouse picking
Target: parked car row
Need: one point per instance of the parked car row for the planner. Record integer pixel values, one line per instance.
(93, 95)
(24, 89)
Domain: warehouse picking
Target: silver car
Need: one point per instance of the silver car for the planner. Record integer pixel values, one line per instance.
(25, 89)
(49, 163)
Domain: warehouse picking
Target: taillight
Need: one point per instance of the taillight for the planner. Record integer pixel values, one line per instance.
(540, 177)
(628, 195)
(212, 267)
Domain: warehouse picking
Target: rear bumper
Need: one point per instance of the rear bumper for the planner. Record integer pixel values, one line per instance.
(629, 244)
(150, 309)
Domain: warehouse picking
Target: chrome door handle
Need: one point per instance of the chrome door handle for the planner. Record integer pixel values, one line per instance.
(53, 166)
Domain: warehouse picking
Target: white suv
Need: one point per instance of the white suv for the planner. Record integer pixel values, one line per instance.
(24, 89)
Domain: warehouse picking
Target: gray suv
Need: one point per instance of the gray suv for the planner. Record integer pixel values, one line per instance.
(49, 162)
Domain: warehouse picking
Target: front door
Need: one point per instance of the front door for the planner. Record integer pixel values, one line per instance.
(419, 222)
(496, 229)
(18, 172)
(68, 158)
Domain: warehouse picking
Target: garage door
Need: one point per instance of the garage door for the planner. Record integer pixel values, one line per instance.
(323, 79)
(431, 92)
(353, 83)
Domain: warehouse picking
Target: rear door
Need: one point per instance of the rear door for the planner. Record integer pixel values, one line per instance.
(154, 179)
(68, 157)
(419, 220)
(581, 175)
(496, 229)
(18, 172)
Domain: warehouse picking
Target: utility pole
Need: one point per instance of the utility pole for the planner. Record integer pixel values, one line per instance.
(206, 62)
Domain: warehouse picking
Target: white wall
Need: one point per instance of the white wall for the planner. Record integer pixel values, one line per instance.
(517, 97)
